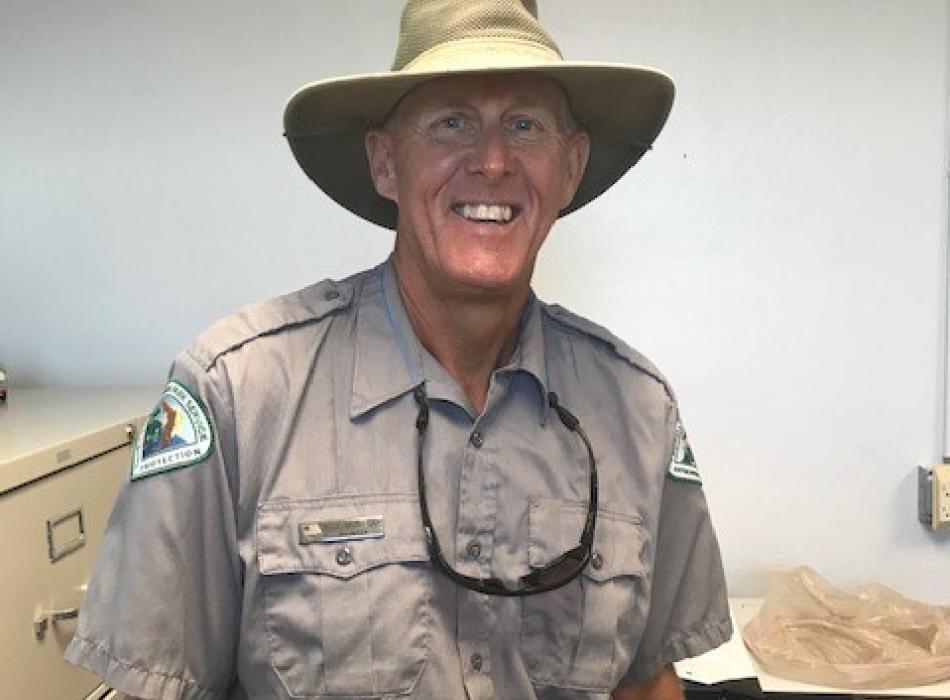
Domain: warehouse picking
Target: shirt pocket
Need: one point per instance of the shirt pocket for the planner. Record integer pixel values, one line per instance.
(584, 635)
(348, 617)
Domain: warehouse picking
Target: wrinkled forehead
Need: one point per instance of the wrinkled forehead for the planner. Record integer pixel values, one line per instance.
(502, 90)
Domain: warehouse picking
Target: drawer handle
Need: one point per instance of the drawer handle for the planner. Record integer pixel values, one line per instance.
(45, 618)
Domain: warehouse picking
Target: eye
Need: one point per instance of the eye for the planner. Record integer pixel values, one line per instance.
(527, 128)
(453, 128)
(451, 122)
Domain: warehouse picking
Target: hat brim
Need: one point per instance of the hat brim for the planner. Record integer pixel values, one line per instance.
(621, 107)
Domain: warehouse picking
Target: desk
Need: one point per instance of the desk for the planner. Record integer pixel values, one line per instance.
(733, 662)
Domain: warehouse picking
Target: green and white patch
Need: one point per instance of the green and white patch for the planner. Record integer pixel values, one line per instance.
(177, 434)
(682, 463)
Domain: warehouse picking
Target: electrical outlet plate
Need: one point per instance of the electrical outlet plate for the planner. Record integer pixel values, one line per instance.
(925, 495)
(940, 499)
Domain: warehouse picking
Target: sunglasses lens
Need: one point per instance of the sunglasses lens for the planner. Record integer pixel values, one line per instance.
(565, 568)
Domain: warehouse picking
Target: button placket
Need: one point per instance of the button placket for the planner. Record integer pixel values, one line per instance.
(478, 615)
(477, 520)
(473, 536)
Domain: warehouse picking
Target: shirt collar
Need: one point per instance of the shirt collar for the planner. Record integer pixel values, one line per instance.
(529, 355)
(390, 360)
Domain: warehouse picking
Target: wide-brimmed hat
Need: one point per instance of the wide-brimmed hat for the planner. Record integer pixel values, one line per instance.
(622, 107)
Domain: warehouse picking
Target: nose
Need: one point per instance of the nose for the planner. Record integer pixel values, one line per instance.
(491, 155)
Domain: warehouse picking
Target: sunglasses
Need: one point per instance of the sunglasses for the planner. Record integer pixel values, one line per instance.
(559, 572)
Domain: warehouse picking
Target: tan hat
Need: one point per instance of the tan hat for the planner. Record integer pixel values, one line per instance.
(622, 107)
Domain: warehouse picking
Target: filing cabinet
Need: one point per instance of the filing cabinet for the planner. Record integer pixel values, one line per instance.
(64, 454)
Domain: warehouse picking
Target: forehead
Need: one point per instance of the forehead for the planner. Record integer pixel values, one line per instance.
(502, 91)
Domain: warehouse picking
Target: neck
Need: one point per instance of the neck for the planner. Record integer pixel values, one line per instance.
(470, 334)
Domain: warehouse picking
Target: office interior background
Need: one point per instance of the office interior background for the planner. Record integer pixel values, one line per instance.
(781, 254)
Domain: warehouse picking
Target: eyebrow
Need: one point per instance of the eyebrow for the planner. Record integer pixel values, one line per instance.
(562, 113)
(517, 99)
(519, 102)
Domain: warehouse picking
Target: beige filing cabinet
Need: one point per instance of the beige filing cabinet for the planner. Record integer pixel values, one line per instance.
(64, 454)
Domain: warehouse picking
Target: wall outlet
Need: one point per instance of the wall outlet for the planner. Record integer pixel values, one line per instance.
(940, 484)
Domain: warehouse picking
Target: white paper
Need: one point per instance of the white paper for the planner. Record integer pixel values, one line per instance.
(728, 662)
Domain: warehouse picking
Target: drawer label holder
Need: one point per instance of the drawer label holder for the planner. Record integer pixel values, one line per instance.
(57, 528)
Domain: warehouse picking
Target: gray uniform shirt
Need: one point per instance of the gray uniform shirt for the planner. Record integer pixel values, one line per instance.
(216, 578)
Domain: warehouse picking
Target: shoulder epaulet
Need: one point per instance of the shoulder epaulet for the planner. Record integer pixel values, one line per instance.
(264, 318)
(614, 344)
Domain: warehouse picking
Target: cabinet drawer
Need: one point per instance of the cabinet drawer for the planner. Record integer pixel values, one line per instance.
(48, 559)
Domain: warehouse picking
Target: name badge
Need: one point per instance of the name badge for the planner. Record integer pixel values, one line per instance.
(316, 531)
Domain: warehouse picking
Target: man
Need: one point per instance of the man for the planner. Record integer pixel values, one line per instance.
(423, 481)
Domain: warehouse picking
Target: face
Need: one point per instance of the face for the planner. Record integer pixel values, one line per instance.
(479, 168)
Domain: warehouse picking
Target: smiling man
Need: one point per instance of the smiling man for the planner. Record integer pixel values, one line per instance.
(423, 481)
(479, 168)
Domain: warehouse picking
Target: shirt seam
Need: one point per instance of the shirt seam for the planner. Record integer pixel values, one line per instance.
(605, 343)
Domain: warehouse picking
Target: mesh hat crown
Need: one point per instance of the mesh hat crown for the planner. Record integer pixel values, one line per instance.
(428, 28)
(622, 107)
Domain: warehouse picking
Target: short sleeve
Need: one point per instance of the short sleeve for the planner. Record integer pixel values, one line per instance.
(162, 612)
(689, 609)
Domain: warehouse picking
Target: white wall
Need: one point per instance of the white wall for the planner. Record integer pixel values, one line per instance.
(780, 254)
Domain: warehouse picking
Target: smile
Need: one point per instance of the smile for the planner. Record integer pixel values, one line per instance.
(496, 213)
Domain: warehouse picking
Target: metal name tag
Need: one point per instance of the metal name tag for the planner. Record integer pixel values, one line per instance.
(341, 530)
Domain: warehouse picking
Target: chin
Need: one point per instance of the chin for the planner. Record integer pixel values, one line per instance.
(492, 280)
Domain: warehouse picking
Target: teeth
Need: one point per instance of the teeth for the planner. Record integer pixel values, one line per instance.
(499, 213)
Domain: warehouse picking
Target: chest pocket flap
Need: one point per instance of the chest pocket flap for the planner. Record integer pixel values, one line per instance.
(286, 542)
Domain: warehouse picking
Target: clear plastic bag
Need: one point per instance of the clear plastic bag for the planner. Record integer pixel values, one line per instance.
(869, 636)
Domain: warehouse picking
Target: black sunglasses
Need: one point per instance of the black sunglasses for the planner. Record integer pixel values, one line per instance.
(559, 572)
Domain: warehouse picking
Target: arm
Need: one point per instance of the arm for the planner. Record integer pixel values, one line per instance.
(161, 615)
(663, 686)
(689, 611)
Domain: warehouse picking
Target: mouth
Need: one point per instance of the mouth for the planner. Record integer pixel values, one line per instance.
(486, 213)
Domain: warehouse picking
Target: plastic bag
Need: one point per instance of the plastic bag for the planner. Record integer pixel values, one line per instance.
(865, 637)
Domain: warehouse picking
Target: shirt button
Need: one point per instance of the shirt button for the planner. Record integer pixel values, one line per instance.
(596, 560)
(476, 660)
(474, 549)
(344, 556)
(476, 439)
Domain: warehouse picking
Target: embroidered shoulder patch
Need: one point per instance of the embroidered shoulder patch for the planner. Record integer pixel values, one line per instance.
(176, 434)
(683, 464)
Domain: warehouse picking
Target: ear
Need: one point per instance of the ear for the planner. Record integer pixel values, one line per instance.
(382, 162)
(578, 150)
